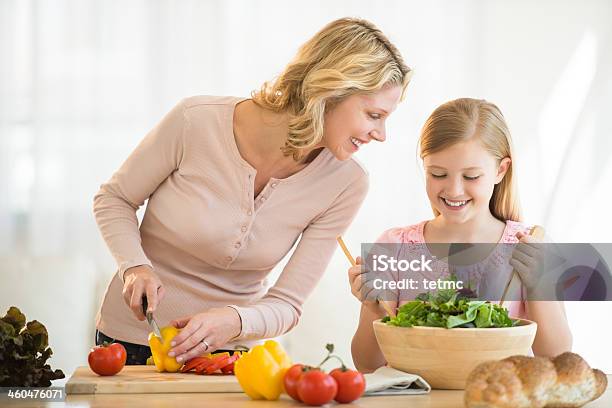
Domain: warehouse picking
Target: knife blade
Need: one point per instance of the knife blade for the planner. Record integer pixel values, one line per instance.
(150, 319)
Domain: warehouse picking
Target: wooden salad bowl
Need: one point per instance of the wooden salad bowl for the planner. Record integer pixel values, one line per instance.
(445, 357)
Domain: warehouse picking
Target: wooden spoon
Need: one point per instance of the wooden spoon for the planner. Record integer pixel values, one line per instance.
(384, 304)
(536, 232)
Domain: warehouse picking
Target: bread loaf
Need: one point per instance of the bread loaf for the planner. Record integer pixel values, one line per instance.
(534, 382)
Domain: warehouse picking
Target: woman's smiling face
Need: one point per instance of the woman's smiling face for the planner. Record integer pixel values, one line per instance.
(357, 120)
(460, 180)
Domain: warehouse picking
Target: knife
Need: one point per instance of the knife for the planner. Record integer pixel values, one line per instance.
(150, 319)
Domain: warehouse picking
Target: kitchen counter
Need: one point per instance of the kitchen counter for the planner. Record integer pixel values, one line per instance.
(436, 399)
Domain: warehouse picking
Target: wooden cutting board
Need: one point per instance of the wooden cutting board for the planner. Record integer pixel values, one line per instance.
(145, 379)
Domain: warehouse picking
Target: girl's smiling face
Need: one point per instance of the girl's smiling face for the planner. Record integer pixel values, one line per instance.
(460, 180)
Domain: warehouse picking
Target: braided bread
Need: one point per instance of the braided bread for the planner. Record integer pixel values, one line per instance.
(534, 382)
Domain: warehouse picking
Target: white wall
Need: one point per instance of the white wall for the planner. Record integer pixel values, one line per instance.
(82, 81)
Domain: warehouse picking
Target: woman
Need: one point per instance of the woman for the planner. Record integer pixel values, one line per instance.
(233, 184)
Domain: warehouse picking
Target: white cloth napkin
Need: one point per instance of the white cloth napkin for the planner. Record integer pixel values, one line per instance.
(389, 381)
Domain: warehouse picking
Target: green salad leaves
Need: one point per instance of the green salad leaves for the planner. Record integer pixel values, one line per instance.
(450, 308)
(24, 349)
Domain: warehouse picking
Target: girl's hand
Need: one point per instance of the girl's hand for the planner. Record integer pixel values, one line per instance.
(357, 277)
(204, 332)
(364, 290)
(527, 260)
(138, 281)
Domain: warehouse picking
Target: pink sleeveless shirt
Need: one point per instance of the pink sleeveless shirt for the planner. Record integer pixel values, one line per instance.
(478, 273)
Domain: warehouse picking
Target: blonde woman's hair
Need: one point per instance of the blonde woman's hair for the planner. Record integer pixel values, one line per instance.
(464, 119)
(346, 57)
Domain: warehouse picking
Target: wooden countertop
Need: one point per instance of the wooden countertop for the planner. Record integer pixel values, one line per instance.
(436, 399)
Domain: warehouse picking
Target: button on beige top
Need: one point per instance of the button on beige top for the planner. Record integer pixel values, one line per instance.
(199, 197)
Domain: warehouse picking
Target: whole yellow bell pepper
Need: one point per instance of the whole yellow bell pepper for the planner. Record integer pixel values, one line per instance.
(160, 349)
(260, 372)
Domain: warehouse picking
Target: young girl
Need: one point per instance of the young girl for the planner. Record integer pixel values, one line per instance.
(466, 150)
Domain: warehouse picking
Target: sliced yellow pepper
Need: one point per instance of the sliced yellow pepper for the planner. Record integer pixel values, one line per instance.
(260, 372)
(160, 349)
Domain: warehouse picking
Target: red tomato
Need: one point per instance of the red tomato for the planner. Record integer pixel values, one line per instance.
(351, 384)
(291, 379)
(316, 387)
(107, 359)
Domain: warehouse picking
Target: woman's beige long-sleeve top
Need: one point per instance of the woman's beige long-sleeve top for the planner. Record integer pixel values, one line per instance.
(206, 236)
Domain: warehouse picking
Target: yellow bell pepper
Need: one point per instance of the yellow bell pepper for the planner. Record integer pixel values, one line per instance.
(160, 349)
(260, 372)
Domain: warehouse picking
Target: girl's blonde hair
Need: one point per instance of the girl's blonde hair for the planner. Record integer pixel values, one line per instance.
(463, 119)
(346, 57)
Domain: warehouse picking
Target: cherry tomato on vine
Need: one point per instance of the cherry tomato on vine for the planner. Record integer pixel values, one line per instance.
(316, 387)
(351, 384)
